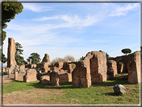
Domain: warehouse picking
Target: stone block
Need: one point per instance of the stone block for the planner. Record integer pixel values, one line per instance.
(81, 75)
(45, 79)
(54, 78)
(30, 75)
(111, 68)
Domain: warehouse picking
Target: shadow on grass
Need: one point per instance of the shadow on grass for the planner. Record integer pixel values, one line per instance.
(112, 83)
(67, 85)
(17, 81)
(112, 94)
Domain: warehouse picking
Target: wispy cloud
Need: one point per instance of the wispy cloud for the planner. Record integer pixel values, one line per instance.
(71, 21)
(36, 8)
(122, 11)
(46, 18)
(77, 21)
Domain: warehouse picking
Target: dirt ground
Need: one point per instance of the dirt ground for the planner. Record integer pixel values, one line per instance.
(31, 96)
(6, 79)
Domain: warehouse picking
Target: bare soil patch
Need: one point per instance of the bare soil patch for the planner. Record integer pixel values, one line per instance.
(6, 79)
(32, 96)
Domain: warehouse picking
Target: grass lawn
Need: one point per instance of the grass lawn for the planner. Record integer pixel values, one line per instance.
(98, 93)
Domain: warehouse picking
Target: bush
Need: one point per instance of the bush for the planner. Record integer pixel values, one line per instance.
(69, 58)
(57, 60)
(66, 58)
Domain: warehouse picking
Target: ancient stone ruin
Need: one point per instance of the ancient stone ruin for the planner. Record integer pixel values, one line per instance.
(64, 76)
(98, 66)
(111, 68)
(11, 53)
(45, 79)
(19, 75)
(81, 75)
(54, 78)
(30, 75)
(121, 64)
(94, 68)
(133, 66)
(129, 63)
(44, 65)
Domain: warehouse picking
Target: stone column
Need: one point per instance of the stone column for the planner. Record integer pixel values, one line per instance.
(11, 52)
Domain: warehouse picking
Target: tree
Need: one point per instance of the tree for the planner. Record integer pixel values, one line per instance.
(2, 57)
(57, 60)
(19, 59)
(9, 10)
(126, 51)
(70, 58)
(107, 56)
(82, 58)
(35, 58)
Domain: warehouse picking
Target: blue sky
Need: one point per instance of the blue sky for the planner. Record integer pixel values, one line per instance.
(61, 29)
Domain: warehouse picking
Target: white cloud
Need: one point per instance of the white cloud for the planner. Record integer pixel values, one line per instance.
(35, 7)
(71, 21)
(76, 21)
(122, 11)
(46, 18)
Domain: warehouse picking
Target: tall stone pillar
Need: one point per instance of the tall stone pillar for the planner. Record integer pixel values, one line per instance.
(133, 66)
(11, 52)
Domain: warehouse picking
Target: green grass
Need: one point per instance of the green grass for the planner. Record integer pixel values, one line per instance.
(122, 76)
(98, 93)
(21, 86)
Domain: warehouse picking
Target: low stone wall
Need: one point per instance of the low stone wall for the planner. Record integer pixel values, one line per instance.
(65, 77)
(19, 76)
(22, 67)
(45, 79)
(45, 69)
(30, 75)
(30, 66)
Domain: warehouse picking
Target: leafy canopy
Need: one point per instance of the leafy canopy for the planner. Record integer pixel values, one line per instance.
(35, 58)
(126, 51)
(19, 59)
(9, 10)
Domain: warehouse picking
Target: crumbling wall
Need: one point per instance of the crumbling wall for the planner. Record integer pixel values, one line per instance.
(81, 75)
(64, 76)
(111, 68)
(44, 65)
(19, 76)
(30, 75)
(54, 78)
(98, 66)
(133, 66)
